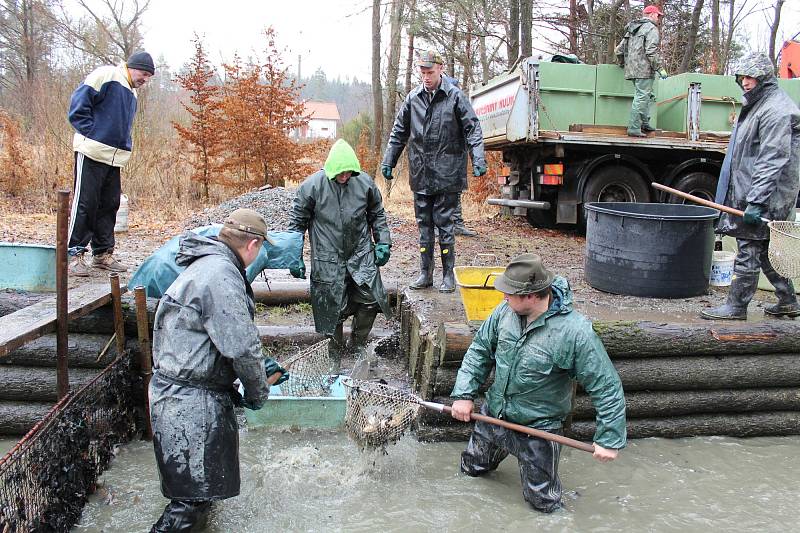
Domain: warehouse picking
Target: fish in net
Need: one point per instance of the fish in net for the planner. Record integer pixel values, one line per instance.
(784, 247)
(377, 414)
(309, 372)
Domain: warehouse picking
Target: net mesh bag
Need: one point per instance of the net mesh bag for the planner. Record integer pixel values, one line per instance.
(784, 247)
(377, 414)
(308, 372)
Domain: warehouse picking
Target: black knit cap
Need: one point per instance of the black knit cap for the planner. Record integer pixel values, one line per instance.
(141, 61)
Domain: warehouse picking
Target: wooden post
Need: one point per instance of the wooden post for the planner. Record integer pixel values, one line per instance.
(119, 320)
(145, 350)
(62, 347)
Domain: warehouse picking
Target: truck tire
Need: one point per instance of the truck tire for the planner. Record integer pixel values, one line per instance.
(616, 183)
(700, 184)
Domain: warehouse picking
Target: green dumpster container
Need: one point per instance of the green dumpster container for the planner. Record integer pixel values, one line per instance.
(567, 95)
(614, 97)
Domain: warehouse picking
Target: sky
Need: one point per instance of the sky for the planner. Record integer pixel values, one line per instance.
(334, 35)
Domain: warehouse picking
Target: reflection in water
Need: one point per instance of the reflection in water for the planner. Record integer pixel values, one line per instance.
(321, 482)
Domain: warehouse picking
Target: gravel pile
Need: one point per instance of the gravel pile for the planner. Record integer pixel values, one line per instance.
(273, 204)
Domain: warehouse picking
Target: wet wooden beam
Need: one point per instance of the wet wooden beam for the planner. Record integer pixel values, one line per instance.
(17, 418)
(85, 351)
(27, 383)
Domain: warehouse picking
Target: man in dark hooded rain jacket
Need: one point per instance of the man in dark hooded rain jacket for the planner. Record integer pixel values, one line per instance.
(760, 176)
(203, 339)
(438, 124)
(341, 208)
(536, 345)
(638, 54)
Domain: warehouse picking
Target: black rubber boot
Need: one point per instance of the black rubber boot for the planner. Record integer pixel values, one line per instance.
(448, 263)
(362, 325)
(183, 515)
(461, 229)
(787, 299)
(743, 287)
(425, 278)
(647, 128)
(335, 348)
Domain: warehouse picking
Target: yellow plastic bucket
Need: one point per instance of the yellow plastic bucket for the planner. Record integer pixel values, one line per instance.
(476, 287)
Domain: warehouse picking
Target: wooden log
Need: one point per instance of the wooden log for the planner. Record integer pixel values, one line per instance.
(101, 321)
(11, 300)
(27, 383)
(301, 335)
(17, 418)
(645, 404)
(646, 339)
(84, 350)
(759, 424)
(687, 373)
(778, 423)
(290, 292)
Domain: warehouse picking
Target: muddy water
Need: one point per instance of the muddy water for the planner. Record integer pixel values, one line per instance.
(321, 482)
(6, 444)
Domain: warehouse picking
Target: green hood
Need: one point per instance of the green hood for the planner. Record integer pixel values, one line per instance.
(341, 158)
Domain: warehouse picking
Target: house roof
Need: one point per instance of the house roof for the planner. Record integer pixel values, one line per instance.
(321, 110)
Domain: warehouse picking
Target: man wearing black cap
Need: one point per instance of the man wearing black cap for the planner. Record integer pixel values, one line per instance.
(203, 339)
(536, 345)
(438, 124)
(102, 111)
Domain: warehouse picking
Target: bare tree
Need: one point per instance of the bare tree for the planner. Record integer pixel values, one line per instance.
(377, 92)
(773, 31)
(526, 25)
(411, 30)
(513, 32)
(393, 64)
(694, 27)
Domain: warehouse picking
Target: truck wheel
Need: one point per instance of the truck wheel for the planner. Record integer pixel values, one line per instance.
(700, 184)
(616, 183)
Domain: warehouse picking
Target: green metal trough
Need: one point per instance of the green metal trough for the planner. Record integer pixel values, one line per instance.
(308, 412)
(27, 267)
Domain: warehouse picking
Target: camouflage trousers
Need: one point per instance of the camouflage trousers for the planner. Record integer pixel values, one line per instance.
(538, 461)
(640, 108)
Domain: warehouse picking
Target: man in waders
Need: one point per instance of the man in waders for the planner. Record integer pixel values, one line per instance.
(341, 208)
(203, 339)
(101, 111)
(638, 54)
(437, 123)
(536, 345)
(760, 177)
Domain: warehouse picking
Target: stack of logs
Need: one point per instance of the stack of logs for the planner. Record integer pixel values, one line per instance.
(680, 380)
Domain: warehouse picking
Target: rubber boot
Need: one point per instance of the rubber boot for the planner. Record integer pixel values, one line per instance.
(335, 348)
(425, 278)
(183, 515)
(448, 263)
(787, 299)
(742, 289)
(647, 128)
(362, 325)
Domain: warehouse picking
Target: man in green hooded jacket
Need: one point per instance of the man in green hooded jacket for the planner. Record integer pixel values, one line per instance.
(341, 208)
(536, 345)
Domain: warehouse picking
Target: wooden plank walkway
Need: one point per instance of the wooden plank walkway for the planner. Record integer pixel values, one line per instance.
(38, 319)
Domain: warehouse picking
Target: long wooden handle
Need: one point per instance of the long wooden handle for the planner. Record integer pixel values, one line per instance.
(701, 201)
(566, 441)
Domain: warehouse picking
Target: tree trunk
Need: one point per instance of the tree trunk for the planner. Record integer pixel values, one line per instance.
(393, 65)
(694, 27)
(590, 54)
(612, 30)
(451, 53)
(83, 351)
(526, 26)
(729, 36)
(773, 32)
(377, 91)
(304, 335)
(715, 44)
(26, 383)
(512, 45)
(17, 418)
(410, 31)
(573, 27)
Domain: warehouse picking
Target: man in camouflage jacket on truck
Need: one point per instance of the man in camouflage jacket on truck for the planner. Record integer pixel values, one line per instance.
(638, 54)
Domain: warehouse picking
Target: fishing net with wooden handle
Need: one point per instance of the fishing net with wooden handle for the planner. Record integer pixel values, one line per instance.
(309, 372)
(377, 414)
(784, 247)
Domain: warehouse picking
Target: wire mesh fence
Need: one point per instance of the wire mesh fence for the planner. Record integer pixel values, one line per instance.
(46, 478)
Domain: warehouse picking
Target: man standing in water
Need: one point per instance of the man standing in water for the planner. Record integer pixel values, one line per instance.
(341, 208)
(537, 345)
(203, 339)
(438, 123)
(760, 177)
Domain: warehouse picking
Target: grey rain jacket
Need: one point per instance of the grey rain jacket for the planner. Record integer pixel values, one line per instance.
(203, 339)
(437, 136)
(638, 50)
(342, 222)
(762, 164)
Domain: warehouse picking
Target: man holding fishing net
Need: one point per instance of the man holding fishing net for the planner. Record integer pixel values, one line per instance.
(536, 345)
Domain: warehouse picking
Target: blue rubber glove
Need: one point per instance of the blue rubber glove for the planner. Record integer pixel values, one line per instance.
(662, 74)
(386, 170)
(382, 253)
(298, 270)
(753, 214)
(478, 170)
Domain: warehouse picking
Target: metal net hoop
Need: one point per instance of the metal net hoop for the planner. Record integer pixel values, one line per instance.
(784, 247)
(308, 371)
(378, 414)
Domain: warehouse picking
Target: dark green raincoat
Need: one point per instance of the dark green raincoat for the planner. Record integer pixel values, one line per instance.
(343, 222)
(534, 366)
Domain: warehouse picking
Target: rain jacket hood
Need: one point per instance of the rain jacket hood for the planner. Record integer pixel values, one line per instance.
(534, 365)
(194, 246)
(341, 158)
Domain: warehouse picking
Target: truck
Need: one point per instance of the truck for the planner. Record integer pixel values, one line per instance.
(561, 128)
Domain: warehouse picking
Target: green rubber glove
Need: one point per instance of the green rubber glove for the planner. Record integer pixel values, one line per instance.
(386, 170)
(478, 170)
(270, 367)
(662, 73)
(298, 270)
(382, 253)
(753, 214)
